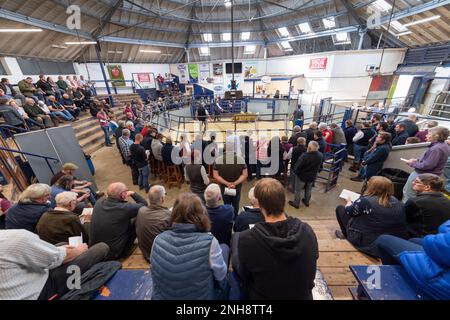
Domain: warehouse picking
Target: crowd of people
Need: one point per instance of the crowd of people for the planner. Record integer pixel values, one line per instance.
(44, 104)
(192, 242)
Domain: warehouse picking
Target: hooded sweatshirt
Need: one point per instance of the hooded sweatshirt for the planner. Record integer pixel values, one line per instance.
(278, 261)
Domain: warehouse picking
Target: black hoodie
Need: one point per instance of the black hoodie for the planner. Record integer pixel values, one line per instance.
(278, 261)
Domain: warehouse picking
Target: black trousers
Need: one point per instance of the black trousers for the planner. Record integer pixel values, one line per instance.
(57, 279)
(343, 218)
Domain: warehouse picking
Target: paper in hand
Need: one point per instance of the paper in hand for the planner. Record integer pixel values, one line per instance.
(346, 194)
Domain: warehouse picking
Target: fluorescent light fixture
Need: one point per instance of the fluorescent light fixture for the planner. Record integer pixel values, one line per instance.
(227, 3)
(250, 49)
(226, 36)
(284, 32)
(245, 36)
(204, 51)
(57, 46)
(382, 5)
(207, 37)
(421, 21)
(80, 43)
(341, 38)
(150, 51)
(20, 30)
(404, 33)
(305, 27)
(329, 23)
(115, 52)
(285, 46)
(398, 26)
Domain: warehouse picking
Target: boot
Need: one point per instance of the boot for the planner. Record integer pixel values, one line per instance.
(355, 167)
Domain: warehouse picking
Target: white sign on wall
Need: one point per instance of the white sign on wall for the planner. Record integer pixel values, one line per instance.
(204, 73)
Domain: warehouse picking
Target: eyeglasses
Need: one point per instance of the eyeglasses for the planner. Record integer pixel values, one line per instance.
(417, 181)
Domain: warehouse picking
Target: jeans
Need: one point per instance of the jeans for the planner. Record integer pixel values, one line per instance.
(234, 201)
(106, 132)
(74, 112)
(57, 279)
(390, 248)
(299, 187)
(113, 127)
(359, 152)
(144, 173)
(31, 123)
(408, 191)
(63, 114)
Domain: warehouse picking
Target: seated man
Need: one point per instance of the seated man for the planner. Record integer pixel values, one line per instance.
(250, 216)
(58, 110)
(29, 90)
(37, 114)
(32, 269)
(277, 259)
(426, 212)
(8, 89)
(30, 123)
(425, 260)
(70, 106)
(400, 135)
(221, 216)
(113, 220)
(59, 224)
(33, 203)
(152, 220)
(10, 114)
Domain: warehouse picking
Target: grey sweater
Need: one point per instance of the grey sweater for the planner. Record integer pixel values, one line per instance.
(25, 261)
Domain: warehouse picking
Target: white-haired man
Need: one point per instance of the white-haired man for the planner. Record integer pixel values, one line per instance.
(152, 220)
(59, 224)
(221, 216)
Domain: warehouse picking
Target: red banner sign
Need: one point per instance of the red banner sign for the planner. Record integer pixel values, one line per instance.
(144, 77)
(318, 64)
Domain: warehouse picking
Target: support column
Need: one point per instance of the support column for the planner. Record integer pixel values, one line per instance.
(105, 78)
(362, 33)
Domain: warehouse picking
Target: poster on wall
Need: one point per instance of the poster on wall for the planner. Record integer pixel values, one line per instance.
(380, 87)
(182, 69)
(204, 73)
(116, 75)
(250, 70)
(237, 78)
(144, 80)
(318, 64)
(193, 73)
(218, 73)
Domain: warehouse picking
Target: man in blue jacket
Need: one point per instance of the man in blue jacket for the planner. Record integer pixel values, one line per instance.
(427, 260)
(375, 157)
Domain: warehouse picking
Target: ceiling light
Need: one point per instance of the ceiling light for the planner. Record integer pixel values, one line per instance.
(57, 46)
(286, 46)
(329, 22)
(341, 38)
(150, 51)
(382, 5)
(404, 33)
(284, 32)
(227, 3)
(421, 21)
(245, 36)
(226, 36)
(305, 27)
(115, 52)
(20, 30)
(250, 49)
(204, 51)
(80, 42)
(207, 37)
(398, 26)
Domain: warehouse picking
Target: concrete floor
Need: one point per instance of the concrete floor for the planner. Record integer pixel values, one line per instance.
(109, 169)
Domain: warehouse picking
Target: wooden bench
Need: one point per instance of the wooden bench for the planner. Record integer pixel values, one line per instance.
(392, 283)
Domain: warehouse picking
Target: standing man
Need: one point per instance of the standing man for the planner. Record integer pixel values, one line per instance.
(125, 143)
(298, 117)
(306, 170)
(202, 115)
(230, 172)
(139, 160)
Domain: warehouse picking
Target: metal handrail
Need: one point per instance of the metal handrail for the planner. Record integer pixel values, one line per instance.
(33, 155)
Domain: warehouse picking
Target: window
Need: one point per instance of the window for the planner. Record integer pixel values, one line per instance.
(341, 38)
(382, 5)
(305, 27)
(2, 69)
(245, 36)
(329, 23)
(284, 32)
(204, 51)
(207, 37)
(226, 36)
(33, 67)
(285, 46)
(250, 49)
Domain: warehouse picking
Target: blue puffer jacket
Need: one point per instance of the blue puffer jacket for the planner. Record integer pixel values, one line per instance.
(180, 265)
(430, 268)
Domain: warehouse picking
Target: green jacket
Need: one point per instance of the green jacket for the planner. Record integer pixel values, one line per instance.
(33, 111)
(27, 89)
(62, 84)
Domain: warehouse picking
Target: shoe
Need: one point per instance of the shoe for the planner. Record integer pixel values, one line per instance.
(357, 179)
(339, 235)
(108, 145)
(305, 203)
(292, 204)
